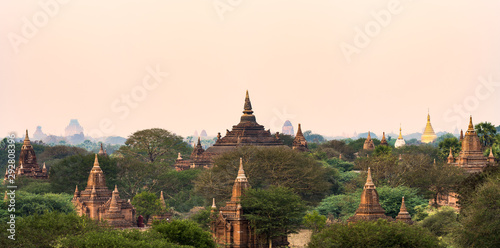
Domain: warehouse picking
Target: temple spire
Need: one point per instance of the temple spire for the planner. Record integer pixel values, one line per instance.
(403, 214)
(471, 126)
(383, 141)
(299, 131)
(96, 161)
(400, 135)
(162, 200)
(27, 141)
(241, 173)
(213, 203)
(369, 181)
(248, 105)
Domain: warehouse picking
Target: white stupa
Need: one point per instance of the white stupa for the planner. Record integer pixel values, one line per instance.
(400, 141)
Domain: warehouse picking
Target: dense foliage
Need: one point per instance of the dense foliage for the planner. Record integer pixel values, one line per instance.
(379, 233)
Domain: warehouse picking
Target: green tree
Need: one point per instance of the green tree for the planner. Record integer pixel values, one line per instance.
(313, 137)
(43, 230)
(344, 206)
(274, 212)
(446, 144)
(280, 166)
(74, 170)
(287, 139)
(442, 222)
(334, 148)
(118, 238)
(185, 232)
(314, 221)
(379, 233)
(486, 132)
(479, 217)
(147, 204)
(382, 151)
(154, 144)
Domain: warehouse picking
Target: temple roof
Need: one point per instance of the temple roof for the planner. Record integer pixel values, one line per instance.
(403, 214)
(369, 207)
(247, 132)
(299, 142)
(96, 176)
(240, 184)
(383, 141)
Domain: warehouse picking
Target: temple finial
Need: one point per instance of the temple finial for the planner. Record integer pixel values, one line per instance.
(299, 131)
(369, 181)
(471, 126)
(369, 136)
(26, 137)
(96, 161)
(248, 105)
(241, 172)
(213, 203)
(199, 141)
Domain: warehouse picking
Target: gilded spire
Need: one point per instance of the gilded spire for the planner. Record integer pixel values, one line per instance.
(428, 136)
(369, 182)
(400, 135)
(471, 126)
(241, 173)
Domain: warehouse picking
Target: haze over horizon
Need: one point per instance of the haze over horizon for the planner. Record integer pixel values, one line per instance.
(335, 67)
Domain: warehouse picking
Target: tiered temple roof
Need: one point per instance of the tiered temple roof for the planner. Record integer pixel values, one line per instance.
(369, 209)
(247, 132)
(99, 203)
(368, 145)
(383, 142)
(471, 156)
(403, 215)
(28, 165)
(299, 142)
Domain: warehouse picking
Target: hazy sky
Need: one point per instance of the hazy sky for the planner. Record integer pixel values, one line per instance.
(334, 66)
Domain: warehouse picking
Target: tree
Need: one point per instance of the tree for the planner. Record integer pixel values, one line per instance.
(74, 170)
(279, 166)
(274, 212)
(185, 232)
(287, 139)
(313, 137)
(480, 222)
(442, 222)
(380, 233)
(43, 230)
(486, 132)
(382, 151)
(118, 238)
(314, 221)
(147, 204)
(446, 144)
(154, 144)
(334, 148)
(343, 206)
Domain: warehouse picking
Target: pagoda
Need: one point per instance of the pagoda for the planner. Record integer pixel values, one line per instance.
(403, 214)
(28, 165)
(99, 203)
(229, 226)
(383, 142)
(299, 142)
(400, 141)
(369, 209)
(428, 136)
(198, 159)
(369, 145)
(471, 156)
(247, 132)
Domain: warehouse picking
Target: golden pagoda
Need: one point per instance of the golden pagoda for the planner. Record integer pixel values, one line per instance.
(428, 136)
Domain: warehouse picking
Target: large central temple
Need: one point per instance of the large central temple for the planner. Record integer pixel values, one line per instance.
(247, 132)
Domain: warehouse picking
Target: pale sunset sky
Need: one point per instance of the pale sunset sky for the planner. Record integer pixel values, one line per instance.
(336, 67)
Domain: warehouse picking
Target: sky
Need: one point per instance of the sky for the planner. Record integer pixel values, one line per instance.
(336, 67)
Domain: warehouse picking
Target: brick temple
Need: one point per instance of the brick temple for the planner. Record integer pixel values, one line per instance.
(369, 145)
(229, 227)
(99, 203)
(28, 165)
(246, 132)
